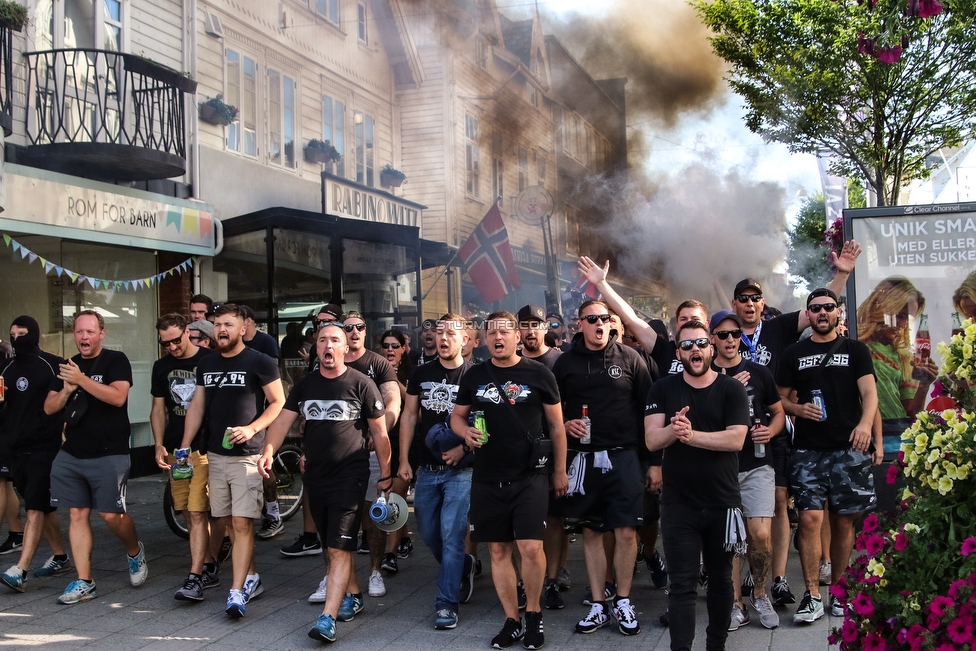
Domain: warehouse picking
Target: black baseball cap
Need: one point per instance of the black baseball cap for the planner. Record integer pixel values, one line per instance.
(333, 310)
(531, 312)
(747, 283)
(821, 291)
(555, 317)
(248, 312)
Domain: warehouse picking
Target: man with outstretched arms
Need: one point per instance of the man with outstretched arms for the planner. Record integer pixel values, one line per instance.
(239, 392)
(340, 406)
(700, 419)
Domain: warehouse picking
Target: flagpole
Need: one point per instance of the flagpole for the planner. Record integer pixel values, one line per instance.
(446, 267)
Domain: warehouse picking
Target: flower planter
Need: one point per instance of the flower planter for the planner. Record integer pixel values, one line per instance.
(391, 179)
(313, 155)
(211, 115)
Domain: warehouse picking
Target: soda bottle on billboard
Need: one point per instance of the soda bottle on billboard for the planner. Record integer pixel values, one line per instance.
(956, 324)
(923, 348)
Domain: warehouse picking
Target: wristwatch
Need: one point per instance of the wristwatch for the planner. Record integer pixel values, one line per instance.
(465, 447)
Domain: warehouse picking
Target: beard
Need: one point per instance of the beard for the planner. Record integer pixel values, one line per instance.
(822, 328)
(706, 363)
(229, 343)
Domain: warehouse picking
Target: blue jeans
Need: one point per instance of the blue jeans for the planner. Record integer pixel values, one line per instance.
(689, 535)
(440, 503)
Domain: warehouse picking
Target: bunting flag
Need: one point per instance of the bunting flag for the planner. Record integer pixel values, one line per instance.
(95, 283)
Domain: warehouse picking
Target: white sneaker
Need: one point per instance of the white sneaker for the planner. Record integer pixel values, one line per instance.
(825, 575)
(318, 597)
(376, 586)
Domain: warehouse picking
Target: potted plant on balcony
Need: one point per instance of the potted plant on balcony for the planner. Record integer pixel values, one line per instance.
(215, 111)
(13, 16)
(391, 177)
(321, 151)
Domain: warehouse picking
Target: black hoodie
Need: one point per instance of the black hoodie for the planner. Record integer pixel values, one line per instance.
(613, 382)
(23, 424)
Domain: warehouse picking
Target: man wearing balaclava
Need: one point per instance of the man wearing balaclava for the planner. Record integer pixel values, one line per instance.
(33, 439)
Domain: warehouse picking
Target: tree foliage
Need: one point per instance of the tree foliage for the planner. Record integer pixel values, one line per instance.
(797, 66)
(806, 257)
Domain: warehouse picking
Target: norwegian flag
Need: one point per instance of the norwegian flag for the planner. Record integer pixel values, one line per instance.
(487, 255)
(587, 289)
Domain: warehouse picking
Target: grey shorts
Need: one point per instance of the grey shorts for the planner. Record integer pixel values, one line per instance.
(374, 478)
(840, 478)
(758, 490)
(90, 483)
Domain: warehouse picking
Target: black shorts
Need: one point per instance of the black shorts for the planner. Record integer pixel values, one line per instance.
(780, 458)
(610, 499)
(4, 461)
(336, 505)
(31, 476)
(509, 511)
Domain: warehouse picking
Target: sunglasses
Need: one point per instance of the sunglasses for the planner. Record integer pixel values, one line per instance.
(172, 342)
(688, 344)
(394, 346)
(816, 307)
(724, 334)
(555, 324)
(745, 298)
(197, 339)
(349, 327)
(593, 318)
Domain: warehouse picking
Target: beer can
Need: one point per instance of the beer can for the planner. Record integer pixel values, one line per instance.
(481, 425)
(816, 396)
(226, 442)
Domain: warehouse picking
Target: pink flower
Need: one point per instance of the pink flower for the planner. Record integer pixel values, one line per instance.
(968, 546)
(849, 632)
(865, 45)
(961, 631)
(954, 588)
(915, 634)
(946, 647)
(863, 605)
(929, 8)
(873, 545)
(893, 472)
(901, 541)
(874, 642)
(870, 524)
(939, 605)
(839, 591)
(902, 636)
(889, 54)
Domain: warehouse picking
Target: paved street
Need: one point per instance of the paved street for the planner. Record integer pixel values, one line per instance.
(124, 618)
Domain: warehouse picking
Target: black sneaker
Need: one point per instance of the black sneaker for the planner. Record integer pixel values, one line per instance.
(304, 545)
(702, 577)
(225, 549)
(511, 633)
(781, 592)
(665, 619)
(553, 600)
(467, 579)
(609, 594)
(13, 543)
(477, 568)
(522, 599)
(363, 544)
(659, 571)
(389, 563)
(405, 547)
(192, 589)
(534, 637)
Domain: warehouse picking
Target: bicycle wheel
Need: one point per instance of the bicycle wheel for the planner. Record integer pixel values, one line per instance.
(288, 480)
(173, 517)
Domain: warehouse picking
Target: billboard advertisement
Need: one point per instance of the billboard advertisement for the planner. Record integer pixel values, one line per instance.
(913, 286)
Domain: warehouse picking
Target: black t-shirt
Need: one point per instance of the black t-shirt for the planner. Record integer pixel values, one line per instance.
(264, 343)
(234, 390)
(763, 393)
(799, 368)
(548, 358)
(336, 412)
(374, 366)
(436, 388)
(665, 355)
(175, 380)
(774, 336)
(527, 386)
(24, 427)
(695, 477)
(104, 430)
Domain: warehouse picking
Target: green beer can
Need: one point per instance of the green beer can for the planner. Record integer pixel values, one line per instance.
(226, 442)
(481, 425)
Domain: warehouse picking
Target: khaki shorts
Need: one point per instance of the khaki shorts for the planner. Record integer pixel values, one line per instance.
(193, 494)
(236, 486)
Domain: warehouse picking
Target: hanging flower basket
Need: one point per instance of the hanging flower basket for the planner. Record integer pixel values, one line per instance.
(13, 16)
(319, 151)
(391, 177)
(215, 111)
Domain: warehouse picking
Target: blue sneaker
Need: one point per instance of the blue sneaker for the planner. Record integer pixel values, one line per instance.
(138, 570)
(14, 578)
(77, 591)
(236, 604)
(351, 606)
(324, 629)
(446, 619)
(253, 588)
(53, 566)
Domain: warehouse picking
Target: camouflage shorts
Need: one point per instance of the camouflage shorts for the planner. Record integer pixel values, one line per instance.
(840, 478)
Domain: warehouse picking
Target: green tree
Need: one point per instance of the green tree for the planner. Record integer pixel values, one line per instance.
(797, 65)
(806, 257)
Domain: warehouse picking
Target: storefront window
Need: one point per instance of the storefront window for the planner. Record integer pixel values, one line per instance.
(130, 316)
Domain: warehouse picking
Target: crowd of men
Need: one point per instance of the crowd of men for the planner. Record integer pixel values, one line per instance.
(511, 435)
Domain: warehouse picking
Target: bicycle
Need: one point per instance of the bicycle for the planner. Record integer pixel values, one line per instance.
(288, 481)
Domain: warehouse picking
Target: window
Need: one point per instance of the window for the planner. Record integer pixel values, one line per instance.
(361, 17)
(241, 91)
(533, 96)
(79, 24)
(472, 172)
(559, 127)
(329, 9)
(523, 168)
(364, 148)
(497, 167)
(541, 170)
(334, 129)
(281, 119)
(481, 51)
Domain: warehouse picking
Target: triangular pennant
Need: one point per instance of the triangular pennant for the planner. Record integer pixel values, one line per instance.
(126, 284)
(74, 277)
(43, 261)
(191, 261)
(16, 245)
(24, 252)
(48, 266)
(93, 282)
(6, 239)
(31, 257)
(59, 270)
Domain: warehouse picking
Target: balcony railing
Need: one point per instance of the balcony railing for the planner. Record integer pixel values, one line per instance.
(106, 114)
(7, 83)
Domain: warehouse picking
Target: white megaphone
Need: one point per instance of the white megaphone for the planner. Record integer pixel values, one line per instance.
(389, 515)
